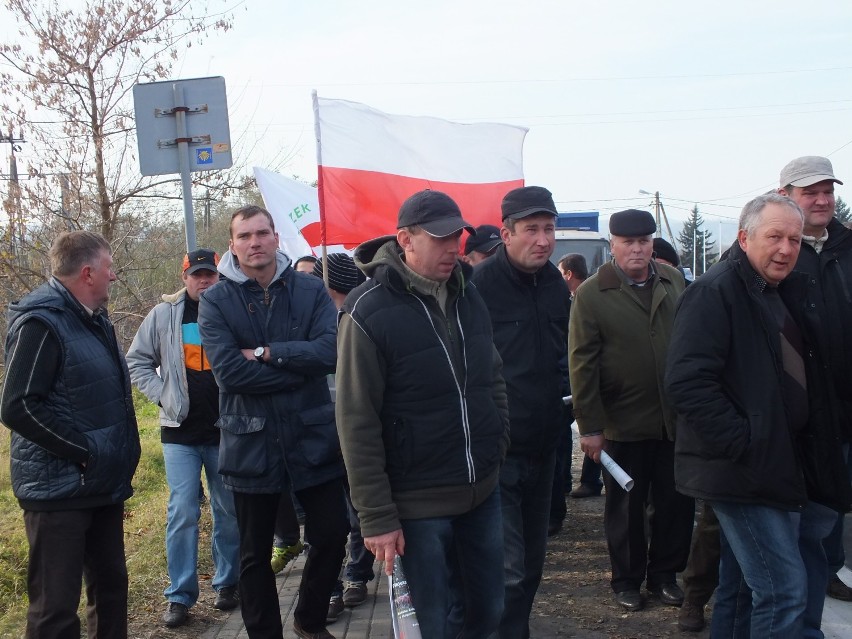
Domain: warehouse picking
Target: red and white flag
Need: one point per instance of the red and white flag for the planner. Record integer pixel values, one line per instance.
(370, 162)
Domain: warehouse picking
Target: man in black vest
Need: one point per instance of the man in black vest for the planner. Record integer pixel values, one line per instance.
(75, 444)
(423, 421)
(529, 304)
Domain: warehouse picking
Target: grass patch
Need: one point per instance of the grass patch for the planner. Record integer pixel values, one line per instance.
(144, 532)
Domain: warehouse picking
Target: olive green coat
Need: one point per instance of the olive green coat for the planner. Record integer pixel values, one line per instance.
(617, 355)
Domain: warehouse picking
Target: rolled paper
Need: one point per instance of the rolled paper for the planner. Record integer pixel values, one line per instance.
(624, 480)
(568, 399)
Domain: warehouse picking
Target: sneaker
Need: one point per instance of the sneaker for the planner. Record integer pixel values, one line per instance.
(335, 607)
(585, 490)
(354, 593)
(176, 615)
(227, 598)
(691, 617)
(284, 555)
(305, 634)
(838, 590)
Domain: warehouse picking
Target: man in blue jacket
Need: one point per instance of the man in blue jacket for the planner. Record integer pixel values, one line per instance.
(270, 334)
(169, 365)
(75, 444)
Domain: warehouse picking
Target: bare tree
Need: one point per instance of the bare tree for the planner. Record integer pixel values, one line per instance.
(67, 83)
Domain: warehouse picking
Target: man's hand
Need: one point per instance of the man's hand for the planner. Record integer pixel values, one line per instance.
(592, 445)
(385, 547)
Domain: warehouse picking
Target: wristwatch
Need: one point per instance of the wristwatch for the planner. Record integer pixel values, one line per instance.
(258, 353)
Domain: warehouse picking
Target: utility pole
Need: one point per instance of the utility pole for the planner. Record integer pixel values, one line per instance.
(14, 201)
(657, 207)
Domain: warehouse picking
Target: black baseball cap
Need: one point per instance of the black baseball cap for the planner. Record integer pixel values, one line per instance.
(487, 238)
(434, 212)
(200, 259)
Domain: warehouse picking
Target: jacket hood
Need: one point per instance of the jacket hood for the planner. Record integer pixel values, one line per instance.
(229, 267)
(173, 298)
(381, 259)
(52, 295)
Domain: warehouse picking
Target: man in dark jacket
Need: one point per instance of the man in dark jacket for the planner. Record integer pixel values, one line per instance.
(826, 257)
(423, 421)
(529, 306)
(736, 376)
(620, 328)
(75, 444)
(269, 333)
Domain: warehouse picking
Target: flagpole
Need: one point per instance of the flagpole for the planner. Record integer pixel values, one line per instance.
(320, 193)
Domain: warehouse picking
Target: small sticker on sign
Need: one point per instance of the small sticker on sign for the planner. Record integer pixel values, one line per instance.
(204, 156)
(221, 147)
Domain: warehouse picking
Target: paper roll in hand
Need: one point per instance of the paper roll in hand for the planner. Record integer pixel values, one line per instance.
(624, 480)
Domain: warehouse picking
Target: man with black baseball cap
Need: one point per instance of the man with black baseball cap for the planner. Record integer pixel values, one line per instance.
(621, 322)
(826, 256)
(481, 246)
(423, 419)
(168, 363)
(529, 305)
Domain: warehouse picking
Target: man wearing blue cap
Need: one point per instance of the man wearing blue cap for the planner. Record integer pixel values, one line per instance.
(620, 328)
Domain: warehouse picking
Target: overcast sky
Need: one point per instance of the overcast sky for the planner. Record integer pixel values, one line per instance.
(704, 104)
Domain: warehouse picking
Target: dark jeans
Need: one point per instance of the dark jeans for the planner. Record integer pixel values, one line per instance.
(833, 544)
(525, 485)
(651, 465)
(325, 528)
(66, 547)
(702, 570)
(561, 478)
(459, 556)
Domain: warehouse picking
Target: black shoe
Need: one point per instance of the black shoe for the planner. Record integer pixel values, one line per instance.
(335, 607)
(838, 590)
(176, 615)
(584, 490)
(691, 617)
(354, 593)
(630, 600)
(553, 528)
(307, 634)
(669, 594)
(227, 598)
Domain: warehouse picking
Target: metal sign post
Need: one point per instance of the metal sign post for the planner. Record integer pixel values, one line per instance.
(181, 127)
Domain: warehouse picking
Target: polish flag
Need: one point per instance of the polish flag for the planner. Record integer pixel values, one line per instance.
(370, 162)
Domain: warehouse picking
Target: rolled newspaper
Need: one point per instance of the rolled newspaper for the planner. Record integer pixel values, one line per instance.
(624, 480)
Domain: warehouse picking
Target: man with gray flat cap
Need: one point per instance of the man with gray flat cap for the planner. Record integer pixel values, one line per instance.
(826, 257)
(423, 419)
(529, 306)
(620, 328)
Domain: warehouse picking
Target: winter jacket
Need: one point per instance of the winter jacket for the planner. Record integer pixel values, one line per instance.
(158, 344)
(724, 376)
(89, 405)
(529, 314)
(421, 405)
(829, 312)
(276, 418)
(617, 355)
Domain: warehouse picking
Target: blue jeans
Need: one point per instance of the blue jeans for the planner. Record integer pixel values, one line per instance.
(462, 556)
(816, 524)
(760, 554)
(525, 485)
(183, 472)
(359, 566)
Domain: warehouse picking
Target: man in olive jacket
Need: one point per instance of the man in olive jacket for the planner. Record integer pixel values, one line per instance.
(618, 340)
